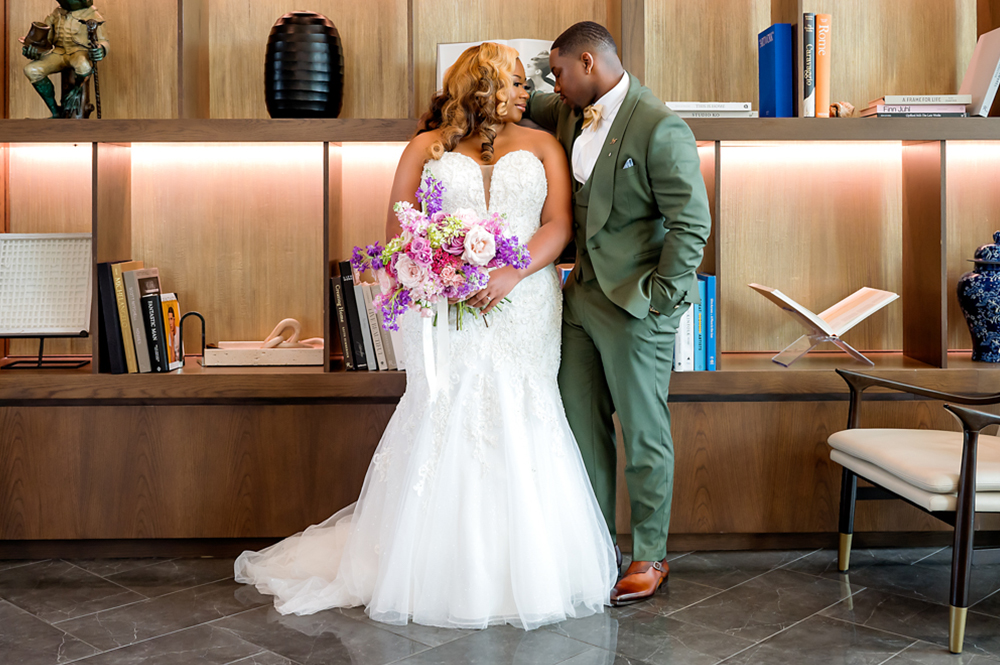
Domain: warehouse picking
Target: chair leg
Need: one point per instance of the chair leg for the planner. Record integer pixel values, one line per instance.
(961, 556)
(848, 497)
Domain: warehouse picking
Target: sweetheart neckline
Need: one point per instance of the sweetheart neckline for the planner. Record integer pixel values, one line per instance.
(488, 195)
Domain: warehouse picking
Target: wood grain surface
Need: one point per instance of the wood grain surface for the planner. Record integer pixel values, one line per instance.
(376, 55)
(816, 221)
(180, 472)
(236, 231)
(924, 300)
(973, 205)
(138, 78)
(368, 170)
(704, 51)
(50, 192)
(897, 47)
(445, 21)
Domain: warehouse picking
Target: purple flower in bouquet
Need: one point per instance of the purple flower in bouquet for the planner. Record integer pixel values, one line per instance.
(510, 252)
(431, 194)
(421, 251)
(374, 252)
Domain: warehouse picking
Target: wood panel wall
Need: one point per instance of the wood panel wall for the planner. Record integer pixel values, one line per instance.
(50, 192)
(376, 55)
(973, 203)
(236, 231)
(704, 51)
(816, 221)
(139, 76)
(443, 21)
(897, 47)
(368, 170)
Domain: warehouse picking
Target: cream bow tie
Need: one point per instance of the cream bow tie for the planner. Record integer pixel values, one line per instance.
(592, 115)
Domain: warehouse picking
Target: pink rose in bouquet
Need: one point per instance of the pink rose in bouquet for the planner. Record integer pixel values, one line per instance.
(437, 255)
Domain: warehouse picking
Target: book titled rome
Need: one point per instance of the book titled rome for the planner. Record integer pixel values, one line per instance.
(151, 310)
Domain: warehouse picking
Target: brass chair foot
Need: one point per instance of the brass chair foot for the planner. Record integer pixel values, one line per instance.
(956, 628)
(844, 553)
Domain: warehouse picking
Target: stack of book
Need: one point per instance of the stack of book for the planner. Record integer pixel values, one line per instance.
(695, 347)
(139, 325)
(712, 109)
(918, 106)
(357, 325)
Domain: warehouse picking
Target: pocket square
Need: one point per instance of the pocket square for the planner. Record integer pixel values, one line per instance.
(628, 164)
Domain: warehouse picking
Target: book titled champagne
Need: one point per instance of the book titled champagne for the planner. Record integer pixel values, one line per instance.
(823, 25)
(809, 65)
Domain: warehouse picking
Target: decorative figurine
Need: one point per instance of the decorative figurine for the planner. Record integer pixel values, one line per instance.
(979, 298)
(841, 110)
(71, 40)
(304, 67)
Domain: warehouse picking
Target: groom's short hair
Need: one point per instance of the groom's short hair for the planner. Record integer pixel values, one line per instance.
(584, 36)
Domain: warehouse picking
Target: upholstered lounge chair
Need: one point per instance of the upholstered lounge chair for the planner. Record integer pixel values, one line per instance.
(936, 471)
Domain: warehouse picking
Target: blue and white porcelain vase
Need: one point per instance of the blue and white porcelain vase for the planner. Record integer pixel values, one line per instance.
(979, 298)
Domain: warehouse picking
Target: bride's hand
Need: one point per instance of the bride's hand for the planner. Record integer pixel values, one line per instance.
(502, 282)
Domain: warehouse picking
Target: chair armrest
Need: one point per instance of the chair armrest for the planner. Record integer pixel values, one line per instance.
(972, 421)
(858, 383)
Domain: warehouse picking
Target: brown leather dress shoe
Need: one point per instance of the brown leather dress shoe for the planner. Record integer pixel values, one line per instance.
(640, 582)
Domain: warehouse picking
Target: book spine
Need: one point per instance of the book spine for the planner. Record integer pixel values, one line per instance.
(718, 114)
(353, 320)
(711, 347)
(684, 342)
(397, 348)
(112, 357)
(124, 324)
(387, 345)
(340, 314)
(152, 310)
(709, 106)
(809, 65)
(366, 289)
(366, 332)
(136, 322)
(919, 115)
(823, 28)
(964, 100)
(919, 108)
(699, 333)
(767, 103)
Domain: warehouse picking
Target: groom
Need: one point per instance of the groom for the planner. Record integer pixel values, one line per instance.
(641, 220)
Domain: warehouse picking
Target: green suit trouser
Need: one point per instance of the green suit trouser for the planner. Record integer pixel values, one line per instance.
(614, 362)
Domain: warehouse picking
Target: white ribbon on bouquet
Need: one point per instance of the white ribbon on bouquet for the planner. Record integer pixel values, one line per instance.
(436, 352)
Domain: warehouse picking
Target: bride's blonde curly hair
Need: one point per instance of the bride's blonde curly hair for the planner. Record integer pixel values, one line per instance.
(473, 100)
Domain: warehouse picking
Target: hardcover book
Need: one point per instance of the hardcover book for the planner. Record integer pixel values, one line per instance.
(172, 330)
(366, 331)
(136, 321)
(151, 311)
(711, 351)
(700, 337)
(809, 65)
(373, 325)
(982, 77)
(776, 71)
(125, 323)
(353, 320)
(387, 344)
(717, 114)
(964, 100)
(340, 321)
(914, 108)
(708, 106)
(112, 353)
(823, 26)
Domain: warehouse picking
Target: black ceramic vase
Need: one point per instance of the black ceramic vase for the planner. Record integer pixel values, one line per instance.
(304, 68)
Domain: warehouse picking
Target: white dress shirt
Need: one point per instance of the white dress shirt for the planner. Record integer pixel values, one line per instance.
(587, 147)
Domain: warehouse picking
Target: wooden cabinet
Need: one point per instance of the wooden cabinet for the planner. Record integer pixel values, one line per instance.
(242, 215)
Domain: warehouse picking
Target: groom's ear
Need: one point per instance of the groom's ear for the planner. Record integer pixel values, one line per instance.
(588, 62)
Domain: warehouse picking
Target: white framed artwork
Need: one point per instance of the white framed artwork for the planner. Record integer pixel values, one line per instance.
(46, 284)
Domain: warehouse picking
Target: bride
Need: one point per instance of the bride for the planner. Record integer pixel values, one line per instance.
(476, 509)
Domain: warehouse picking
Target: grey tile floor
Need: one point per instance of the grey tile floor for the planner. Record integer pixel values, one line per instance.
(719, 607)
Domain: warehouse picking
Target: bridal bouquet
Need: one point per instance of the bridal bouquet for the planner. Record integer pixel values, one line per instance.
(437, 255)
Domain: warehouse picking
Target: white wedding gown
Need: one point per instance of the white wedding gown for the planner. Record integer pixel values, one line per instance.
(476, 509)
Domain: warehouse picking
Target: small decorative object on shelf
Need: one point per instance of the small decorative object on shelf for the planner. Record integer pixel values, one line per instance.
(841, 110)
(979, 298)
(304, 67)
(277, 349)
(70, 40)
(830, 324)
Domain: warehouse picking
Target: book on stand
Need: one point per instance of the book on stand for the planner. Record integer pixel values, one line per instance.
(776, 71)
(809, 65)
(982, 77)
(823, 43)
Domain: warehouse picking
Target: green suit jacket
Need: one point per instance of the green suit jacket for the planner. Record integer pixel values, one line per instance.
(647, 224)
